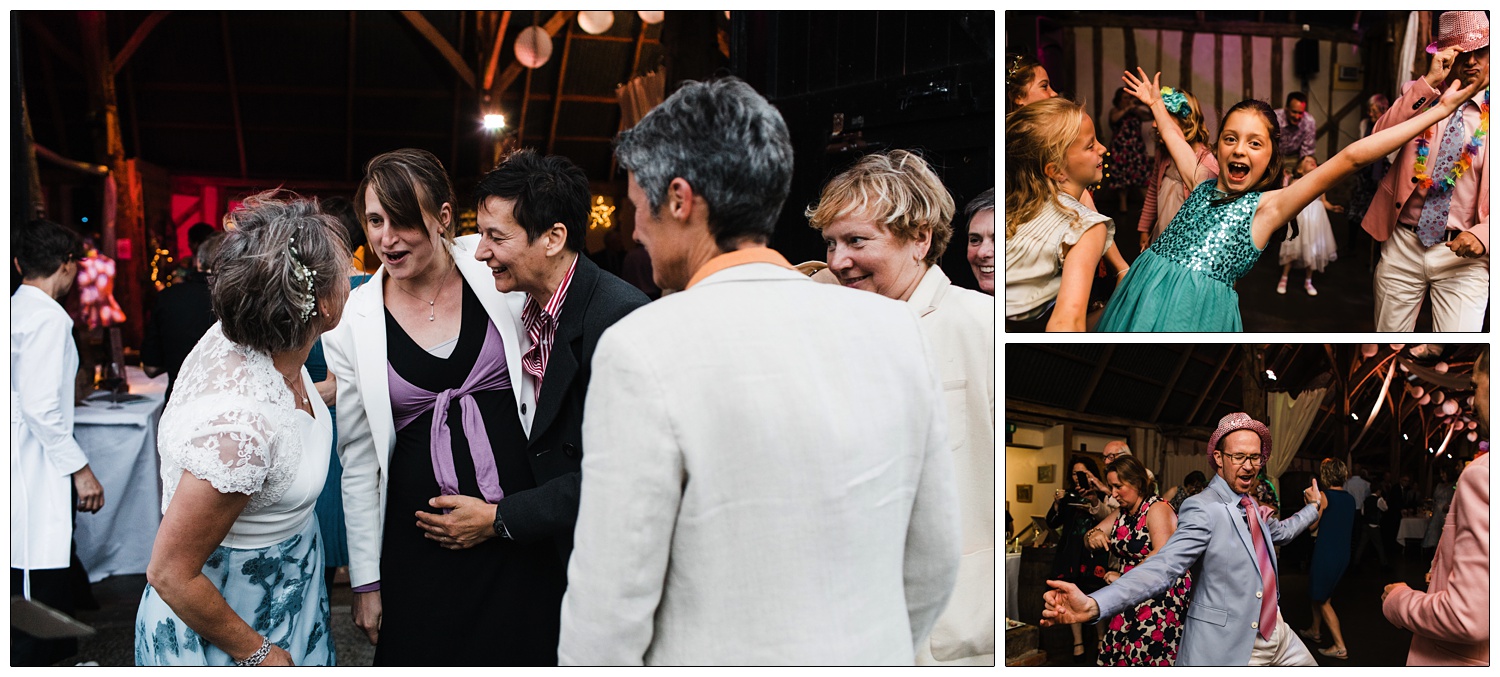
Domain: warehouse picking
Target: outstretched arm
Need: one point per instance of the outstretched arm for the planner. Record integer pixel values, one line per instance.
(1177, 145)
(1077, 279)
(1279, 206)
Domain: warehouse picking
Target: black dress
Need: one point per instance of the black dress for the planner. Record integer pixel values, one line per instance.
(497, 603)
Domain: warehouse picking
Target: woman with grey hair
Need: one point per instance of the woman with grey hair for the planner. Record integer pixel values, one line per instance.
(236, 573)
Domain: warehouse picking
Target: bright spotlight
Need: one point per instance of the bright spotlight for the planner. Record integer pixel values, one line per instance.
(494, 121)
(1270, 374)
(1354, 416)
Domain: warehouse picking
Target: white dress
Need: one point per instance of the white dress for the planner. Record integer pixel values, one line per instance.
(1314, 247)
(233, 422)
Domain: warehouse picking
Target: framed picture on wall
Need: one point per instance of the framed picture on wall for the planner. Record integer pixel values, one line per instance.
(1023, 493)
(1046, 474)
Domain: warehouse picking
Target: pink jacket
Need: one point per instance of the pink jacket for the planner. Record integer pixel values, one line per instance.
(1450, 623)
(1396, 186)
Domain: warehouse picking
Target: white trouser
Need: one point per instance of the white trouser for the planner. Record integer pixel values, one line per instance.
(1283, 648)
(1459, 286)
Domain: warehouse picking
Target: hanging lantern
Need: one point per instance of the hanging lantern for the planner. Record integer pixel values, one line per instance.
(595, 22)
(1450, 408)
(1437, 396)
(1473, 425)
(533, 47)
(1417, 391)
(1397, 346)
(1403, 366)
(1473, 436)
(1425, 399)
(651, 17)
(726, 14)
(1441, 367)
(1368, 349)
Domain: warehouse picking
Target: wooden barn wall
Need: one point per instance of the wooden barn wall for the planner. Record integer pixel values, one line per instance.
(1218, 84)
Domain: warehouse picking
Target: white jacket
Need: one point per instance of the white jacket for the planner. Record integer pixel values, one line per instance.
(768, 481)
(356, 353)
(43, 453)
(960, 325)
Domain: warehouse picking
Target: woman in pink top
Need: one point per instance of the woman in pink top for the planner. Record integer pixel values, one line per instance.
(1165, 189)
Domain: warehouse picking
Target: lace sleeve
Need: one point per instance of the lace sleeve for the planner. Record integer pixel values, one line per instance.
(226, 424)
(230, 450)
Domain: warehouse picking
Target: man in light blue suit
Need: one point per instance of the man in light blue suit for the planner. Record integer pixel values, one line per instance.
(1234, 617)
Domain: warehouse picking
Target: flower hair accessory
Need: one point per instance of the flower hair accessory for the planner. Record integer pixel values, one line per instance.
(1176, 102)
(307, 303)
(1015, 67)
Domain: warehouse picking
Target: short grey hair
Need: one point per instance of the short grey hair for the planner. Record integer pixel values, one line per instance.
(255, 292)
(984, 201)
(728, 143)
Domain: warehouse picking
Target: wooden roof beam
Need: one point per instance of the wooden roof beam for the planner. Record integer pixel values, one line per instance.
(1166, 392)
(137, 38)
(234, 95)
(51, 42)
(489, 69)
(1088, 390)
(430, 32)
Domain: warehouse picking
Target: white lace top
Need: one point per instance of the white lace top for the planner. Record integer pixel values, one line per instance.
(232, 422)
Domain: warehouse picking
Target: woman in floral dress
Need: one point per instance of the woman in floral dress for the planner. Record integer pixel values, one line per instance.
(1147, 634)
(1129, 168)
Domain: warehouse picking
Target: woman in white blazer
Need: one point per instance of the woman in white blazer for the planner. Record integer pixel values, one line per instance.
(428, 358)
(46, 465)
(886, 222)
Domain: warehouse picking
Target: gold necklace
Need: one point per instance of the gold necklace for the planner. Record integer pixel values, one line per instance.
(431, 305)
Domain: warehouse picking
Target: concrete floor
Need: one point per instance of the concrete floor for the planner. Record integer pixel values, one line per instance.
(1345, 300)
(118, 596)
(1370, 638)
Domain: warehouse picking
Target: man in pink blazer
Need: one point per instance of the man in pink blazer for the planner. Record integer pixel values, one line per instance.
(1451, 261)
(1450, 623)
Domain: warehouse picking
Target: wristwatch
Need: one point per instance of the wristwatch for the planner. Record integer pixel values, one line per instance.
(499, 525)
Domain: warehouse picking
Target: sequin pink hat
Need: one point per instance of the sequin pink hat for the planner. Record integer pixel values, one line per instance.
(1467, 31)
(1239, 421)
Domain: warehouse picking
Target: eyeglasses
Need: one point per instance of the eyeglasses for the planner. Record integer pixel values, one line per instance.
(1238, 459)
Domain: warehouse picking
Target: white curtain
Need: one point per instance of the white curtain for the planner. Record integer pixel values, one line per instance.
(1290, 420)
(1177, 466)
(1408, 53)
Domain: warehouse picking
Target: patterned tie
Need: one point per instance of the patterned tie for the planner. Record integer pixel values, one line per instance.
(1267, 571)
(1434, 218)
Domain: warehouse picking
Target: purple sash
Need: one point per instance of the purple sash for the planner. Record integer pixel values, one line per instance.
(408, 402)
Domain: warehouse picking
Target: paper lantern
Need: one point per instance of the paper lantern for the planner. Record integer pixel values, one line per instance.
(1473, 425)
(1450, 408)
(533, 47)
(1417, 391)
(1438, 396)
(1397, 346)
(1368, 349)
(651, 17)
(1425, 399)
(595, 22)
(1403, 366)
(726, 14)
(1441, 367)
(1473, 436)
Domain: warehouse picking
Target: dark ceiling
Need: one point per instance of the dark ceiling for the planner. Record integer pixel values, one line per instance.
(317, 93)
(1186, 389)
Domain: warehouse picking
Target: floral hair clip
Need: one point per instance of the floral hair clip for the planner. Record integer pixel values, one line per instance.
(307, 303)
(1015, 67)
(1176, 102)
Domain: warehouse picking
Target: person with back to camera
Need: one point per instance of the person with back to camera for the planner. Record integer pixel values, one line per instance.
(236, 572)
(50, 476)
(1234, 617)
(753, 492)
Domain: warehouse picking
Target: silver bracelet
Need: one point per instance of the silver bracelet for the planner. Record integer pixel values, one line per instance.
(259, 656)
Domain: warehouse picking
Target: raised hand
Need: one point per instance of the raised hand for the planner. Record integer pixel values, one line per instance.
(1442, 62)
(1147, 92)
(1311, 494)
(1065, 604)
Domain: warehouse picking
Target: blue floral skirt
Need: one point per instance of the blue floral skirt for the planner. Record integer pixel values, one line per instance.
(279, 590)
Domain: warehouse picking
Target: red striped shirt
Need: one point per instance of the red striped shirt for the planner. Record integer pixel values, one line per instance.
(541, 326)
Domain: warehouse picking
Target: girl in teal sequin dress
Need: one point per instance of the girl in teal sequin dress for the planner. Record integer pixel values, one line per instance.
(1185, 280)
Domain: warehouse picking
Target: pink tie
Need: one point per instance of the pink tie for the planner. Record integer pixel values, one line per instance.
(1267, 571)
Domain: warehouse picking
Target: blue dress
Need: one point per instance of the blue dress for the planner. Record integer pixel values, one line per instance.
(1185, 280)
(1331, 549)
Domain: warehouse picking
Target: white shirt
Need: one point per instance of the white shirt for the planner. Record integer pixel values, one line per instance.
(1034, 255)
(232, 421)
(43, 453)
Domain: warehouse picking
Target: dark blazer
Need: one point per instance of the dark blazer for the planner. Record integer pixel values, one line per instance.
(183, 314)
(596, 300)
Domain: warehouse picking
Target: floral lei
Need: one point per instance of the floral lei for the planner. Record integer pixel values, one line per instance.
(1465, 157)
